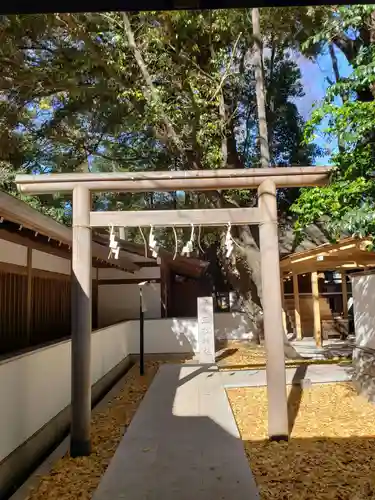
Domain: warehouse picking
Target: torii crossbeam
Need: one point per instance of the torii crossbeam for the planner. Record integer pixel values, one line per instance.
(82, 185)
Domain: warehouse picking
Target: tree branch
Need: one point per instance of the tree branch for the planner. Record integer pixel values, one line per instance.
(152, 95)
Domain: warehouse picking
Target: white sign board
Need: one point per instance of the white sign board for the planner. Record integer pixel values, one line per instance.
(206, 330)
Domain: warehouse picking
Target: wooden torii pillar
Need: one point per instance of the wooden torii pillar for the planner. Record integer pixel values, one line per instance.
(297, 312)
(266, 180)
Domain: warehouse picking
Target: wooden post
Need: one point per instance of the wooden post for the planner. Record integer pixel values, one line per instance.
(344, 288)
(80, 444)
(297, 314)
(95, 299)
(29, 296)
(272, 310)
(141, 333)
(164, 287)
(316, 309)
(285, 326)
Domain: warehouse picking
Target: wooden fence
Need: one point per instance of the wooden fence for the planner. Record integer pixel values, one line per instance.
(45, 318)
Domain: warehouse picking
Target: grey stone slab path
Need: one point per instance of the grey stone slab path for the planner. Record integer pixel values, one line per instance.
(316, 374)
(182, 444)
(331, 348)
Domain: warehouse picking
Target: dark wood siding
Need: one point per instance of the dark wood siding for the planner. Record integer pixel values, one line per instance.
(50, 310)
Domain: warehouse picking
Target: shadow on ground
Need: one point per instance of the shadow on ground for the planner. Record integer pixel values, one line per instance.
(314, 468)
(295, 395)
(225, 354)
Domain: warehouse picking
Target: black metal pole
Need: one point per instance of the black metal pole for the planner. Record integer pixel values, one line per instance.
(141, 335)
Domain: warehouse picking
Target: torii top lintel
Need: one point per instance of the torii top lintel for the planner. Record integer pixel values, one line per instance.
(165, 181)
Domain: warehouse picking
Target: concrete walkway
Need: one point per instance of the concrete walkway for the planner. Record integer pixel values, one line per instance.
(316, 374)
(331, 348)
(182, 444)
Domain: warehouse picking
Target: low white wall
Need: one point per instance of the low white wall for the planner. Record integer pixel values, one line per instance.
(363, 373)
(170, 335)
(233, 326)
(121, 302)
(363, 291)
(35, 386)
(180, 335)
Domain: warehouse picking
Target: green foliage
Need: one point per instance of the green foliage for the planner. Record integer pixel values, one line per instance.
(74, 96)
(349, 109)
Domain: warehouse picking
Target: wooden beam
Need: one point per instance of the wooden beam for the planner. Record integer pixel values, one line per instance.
(24, 238)
(147, 263)
(348, 250)
(19, 212)
(344, 289)
(345, 244)
(27, 238)
(285, 326)
(127, 281)
(316, 309)
(297, 314)
(29, 297)
(181, 218)
(37, 273)
(95, 299)
(101, 252)
(188, 180)
(328, 266)
(165, 285)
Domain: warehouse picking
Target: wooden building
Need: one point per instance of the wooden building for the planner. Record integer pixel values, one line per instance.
(316, 287)
(35, 278)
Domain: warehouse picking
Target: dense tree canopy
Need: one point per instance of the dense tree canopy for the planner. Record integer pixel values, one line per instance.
(73, 89)
(177, 90)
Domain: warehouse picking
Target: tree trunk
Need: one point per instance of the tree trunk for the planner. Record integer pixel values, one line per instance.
(260, 90)
(245, 275)
(255, 296)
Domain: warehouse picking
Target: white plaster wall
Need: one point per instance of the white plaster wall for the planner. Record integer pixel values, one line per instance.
(170, 335)
(34, 387)
(121, 302)
(144, 273)
(48, 262)
(180, 335)
(11, 253)
(363, 290)
(233, 326)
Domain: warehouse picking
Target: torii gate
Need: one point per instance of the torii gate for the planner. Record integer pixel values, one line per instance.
(266, 180)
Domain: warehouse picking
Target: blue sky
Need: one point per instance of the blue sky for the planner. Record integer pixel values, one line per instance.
(314, 79)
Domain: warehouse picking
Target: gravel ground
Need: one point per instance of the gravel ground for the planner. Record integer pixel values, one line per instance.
(244, 356)
(241, 353)
(331, 453)
(78, 478)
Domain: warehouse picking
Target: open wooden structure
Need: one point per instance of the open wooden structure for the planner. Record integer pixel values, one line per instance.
(82, 185)
(347, 255)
